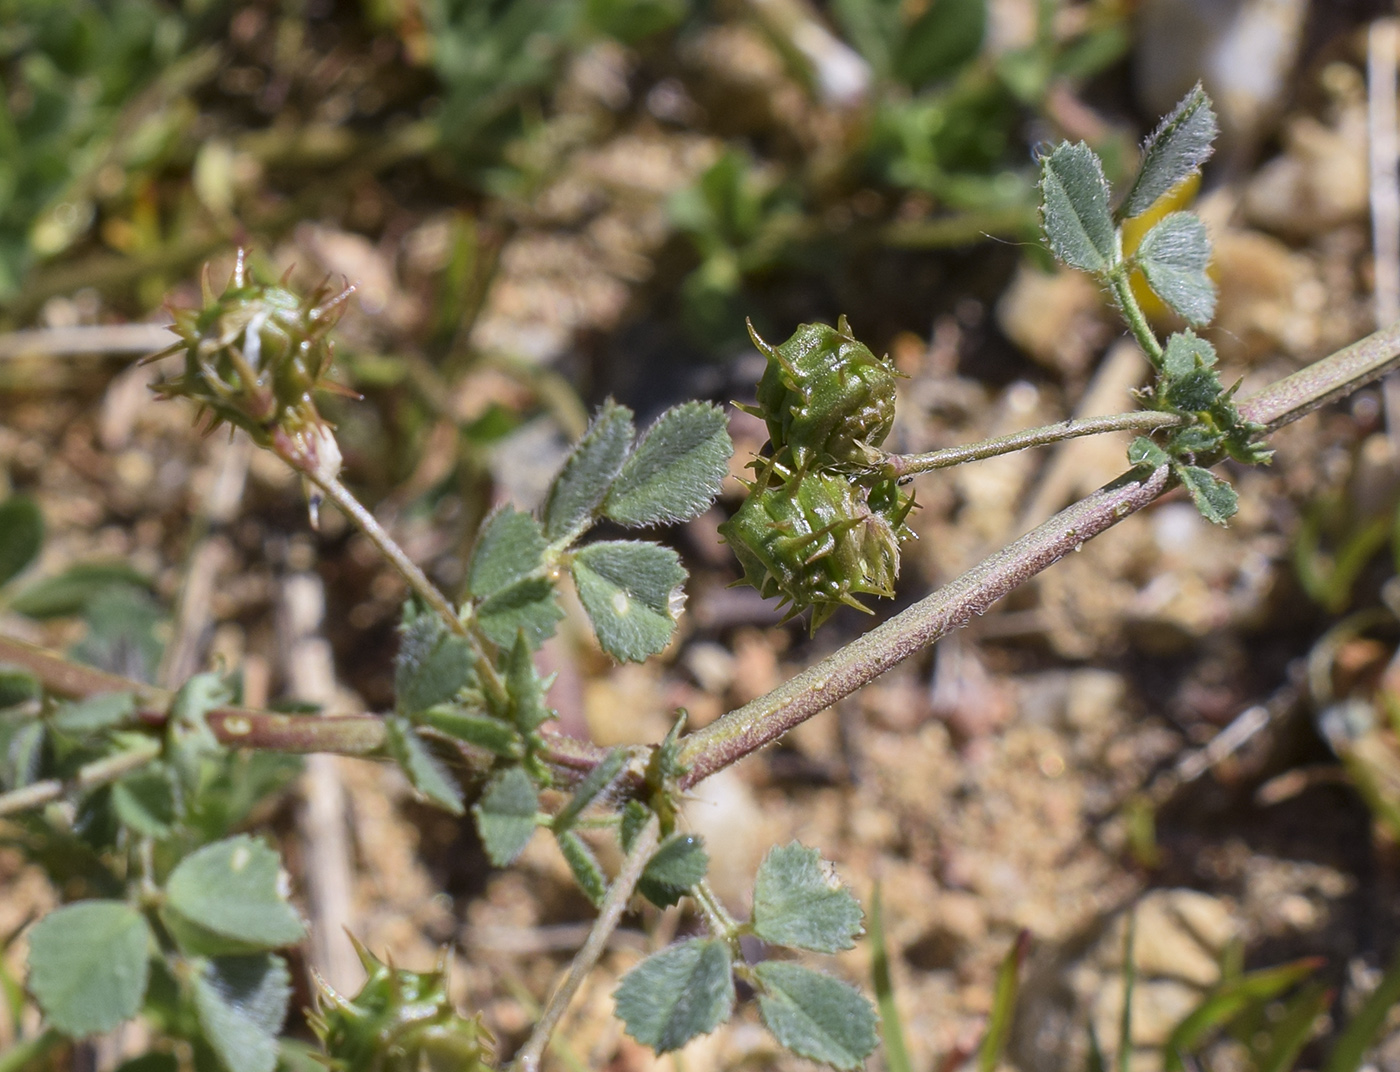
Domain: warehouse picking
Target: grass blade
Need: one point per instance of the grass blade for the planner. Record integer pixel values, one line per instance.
(891, 1029)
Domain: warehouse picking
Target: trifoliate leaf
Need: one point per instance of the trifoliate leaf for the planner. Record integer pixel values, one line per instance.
(531, 605)
(95, 714)
(88, 965)
(1175, 151)
(21, 535)
(1214, 498)
(1142, 451)
(799, 902)
(432, 665)
(1173, 256)
(816, 1016)
(584, 866)
(424, 770)
(484, 731)
(511, 545)
(228, 899)
(675, 472)
(242, 1002)
(632, 593)
(1074, 208)
(676, 994)
(525, 688)
(584, 480)
(505, 815)
(678, 864)
(597, 780)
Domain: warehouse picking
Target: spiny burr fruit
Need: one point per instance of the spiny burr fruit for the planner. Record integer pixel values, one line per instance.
(825, 397)
(818, 539)
(400, 1021)
(254, 357)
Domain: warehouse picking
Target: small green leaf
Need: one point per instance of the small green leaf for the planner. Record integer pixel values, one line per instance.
(678, 864)
(121, 633)
(525, 688)
(676, 470)
(88, 965)
(632, 593)
(17, 686)
(635, 817)
(510, 546)
(676, 994)
(598, 779)
(227, 899)
(424, 770)
(484, 731)
(1186, 352)
(95, 714)
(799, 902)
(505, 815)
(1214, 498)
(432, 665)
(1142, 451)
(146, 801)
(1173, 256)
(1004, 999)
(1074, 209)
(21, 535)
(816, 1016)
(23, 754)
(584, 480)
(1194, 391)
(1194, 439)
(531, 605)
(71, 591)
(584, 865)
(1175, 151)
(242, 1002)
(946, 36)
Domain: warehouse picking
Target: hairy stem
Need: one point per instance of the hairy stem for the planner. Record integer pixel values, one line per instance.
(902, 465)
(609, 915)
(1122, 290)
(417, 580)
(764, 720)
(767, 718)
(99, 772)
(242, 727)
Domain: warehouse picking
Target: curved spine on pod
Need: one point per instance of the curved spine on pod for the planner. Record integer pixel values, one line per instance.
(815, 540)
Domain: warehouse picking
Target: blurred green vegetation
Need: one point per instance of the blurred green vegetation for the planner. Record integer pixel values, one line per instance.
(140, 136)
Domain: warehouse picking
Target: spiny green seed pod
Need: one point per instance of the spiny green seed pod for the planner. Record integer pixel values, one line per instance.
(400, 1021)
(824, 396)
(254, 357)
(816, 540)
